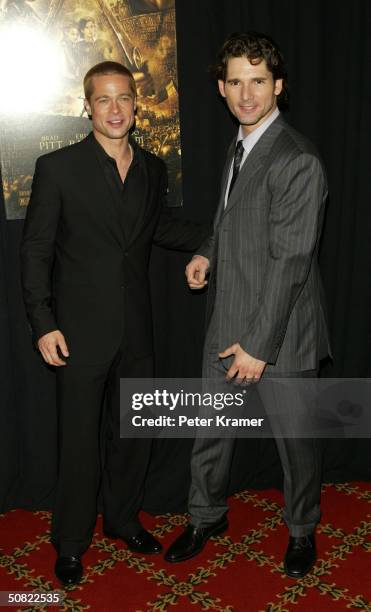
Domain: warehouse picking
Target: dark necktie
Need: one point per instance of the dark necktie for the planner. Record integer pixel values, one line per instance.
(238, 154)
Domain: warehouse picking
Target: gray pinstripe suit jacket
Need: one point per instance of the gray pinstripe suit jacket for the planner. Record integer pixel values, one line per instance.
(265, 289)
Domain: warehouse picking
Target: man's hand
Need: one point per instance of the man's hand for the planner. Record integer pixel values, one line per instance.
(48, 348)
(244, 366)
(196, 272)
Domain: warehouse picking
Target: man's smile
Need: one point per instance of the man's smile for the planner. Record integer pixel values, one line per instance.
(115, 122)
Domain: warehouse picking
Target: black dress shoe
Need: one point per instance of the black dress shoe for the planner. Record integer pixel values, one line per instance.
(68, 570)
(142, 542)
(300, 556)
(192, 541)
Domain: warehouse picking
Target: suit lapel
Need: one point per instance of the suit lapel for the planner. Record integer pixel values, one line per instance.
(224, 183)
(253, 162)
(141, 197)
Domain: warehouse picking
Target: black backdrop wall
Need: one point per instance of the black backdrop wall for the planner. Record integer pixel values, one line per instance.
(328, 54)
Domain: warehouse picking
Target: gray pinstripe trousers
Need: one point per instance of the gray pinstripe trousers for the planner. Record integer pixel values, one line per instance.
(300, 458)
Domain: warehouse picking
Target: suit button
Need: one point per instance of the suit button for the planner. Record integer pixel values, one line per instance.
(126, 253)
(122, 287)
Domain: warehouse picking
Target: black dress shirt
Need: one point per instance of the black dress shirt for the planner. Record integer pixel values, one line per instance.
(127, 194)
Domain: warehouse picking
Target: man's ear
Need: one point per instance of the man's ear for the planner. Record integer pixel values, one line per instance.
(278, 84)
(87, 108)
(221, 86)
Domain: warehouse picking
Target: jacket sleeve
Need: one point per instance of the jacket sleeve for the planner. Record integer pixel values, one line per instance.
(207, 249)
(297, 197)
(37, 249)
(172, 232)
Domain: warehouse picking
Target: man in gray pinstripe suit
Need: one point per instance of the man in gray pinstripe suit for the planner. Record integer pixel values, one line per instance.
(265, 310)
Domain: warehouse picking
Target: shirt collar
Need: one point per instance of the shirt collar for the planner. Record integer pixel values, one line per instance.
(104, 157)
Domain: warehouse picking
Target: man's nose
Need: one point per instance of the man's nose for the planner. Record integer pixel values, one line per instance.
(114, 106)
(246, 92)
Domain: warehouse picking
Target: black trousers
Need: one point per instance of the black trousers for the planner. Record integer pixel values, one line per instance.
(91, 453)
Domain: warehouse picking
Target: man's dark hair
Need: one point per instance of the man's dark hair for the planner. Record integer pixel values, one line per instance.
(256, 47)
(107, 68)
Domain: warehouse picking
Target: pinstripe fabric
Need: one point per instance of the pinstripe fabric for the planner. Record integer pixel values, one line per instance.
(263, 254)
(265, 293)
(300, 458)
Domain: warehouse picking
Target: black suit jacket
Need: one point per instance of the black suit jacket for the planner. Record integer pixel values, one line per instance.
(79, 273)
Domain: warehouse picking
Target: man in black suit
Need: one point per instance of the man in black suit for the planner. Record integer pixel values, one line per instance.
(95, 210)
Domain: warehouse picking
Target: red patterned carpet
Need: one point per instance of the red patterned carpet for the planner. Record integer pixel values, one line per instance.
(239, 572)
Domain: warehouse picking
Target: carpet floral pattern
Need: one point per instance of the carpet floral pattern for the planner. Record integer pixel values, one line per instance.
(240, 571)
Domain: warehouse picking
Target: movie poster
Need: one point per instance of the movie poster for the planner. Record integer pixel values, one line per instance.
(47, 46)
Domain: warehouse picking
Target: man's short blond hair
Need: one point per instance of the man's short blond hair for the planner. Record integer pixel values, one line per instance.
(107, 68)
